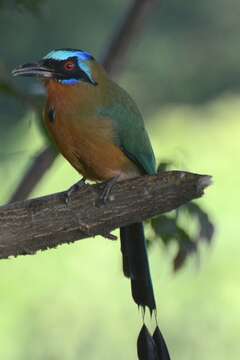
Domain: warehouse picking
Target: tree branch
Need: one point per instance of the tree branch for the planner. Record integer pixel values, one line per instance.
(131, 26)
(116, 51)
(34, 174)
(46, 222)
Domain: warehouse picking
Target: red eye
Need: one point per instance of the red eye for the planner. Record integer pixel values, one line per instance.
(69, 65)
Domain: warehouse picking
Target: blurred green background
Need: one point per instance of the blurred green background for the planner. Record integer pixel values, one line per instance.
(73, 302)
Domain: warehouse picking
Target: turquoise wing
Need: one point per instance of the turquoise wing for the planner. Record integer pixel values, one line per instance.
(130, 133)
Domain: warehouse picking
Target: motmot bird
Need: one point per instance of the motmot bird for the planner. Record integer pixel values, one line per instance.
(99, 129)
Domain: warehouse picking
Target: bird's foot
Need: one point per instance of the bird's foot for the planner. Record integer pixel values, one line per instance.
(105, 194)
(75, 187)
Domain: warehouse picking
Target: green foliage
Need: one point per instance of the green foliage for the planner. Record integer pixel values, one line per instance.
(30, 5)
(205, 225)
(54, 304)
(6, 89)
(169, 228)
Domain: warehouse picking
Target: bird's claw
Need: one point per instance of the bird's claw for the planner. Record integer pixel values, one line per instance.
(75, 187)
(105, 194)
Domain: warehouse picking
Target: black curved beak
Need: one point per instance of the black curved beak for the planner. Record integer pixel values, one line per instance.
(34, 69)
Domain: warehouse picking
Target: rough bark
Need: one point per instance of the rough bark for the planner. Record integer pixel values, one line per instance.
(46, 222)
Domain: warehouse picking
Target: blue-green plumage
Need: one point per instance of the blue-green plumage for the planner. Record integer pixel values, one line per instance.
(133, 139)
(99, 129)
(130, 131)
(65, 54)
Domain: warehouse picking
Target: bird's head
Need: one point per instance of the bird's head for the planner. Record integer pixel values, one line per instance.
(65, 66)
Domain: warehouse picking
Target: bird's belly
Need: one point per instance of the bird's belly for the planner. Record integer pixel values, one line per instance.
(91, 151)
(98, 161)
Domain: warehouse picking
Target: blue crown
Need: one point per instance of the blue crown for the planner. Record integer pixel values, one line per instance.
(64, 54)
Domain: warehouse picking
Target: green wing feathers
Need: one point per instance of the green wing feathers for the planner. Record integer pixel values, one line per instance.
(130, 131)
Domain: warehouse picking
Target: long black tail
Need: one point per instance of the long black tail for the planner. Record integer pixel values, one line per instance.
(135, 265)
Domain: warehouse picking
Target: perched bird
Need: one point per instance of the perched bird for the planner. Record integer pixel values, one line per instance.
(100, 131)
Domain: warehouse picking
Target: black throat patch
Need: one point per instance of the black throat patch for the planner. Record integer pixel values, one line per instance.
(51, 115)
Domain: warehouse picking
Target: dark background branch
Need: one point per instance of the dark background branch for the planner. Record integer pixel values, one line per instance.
(48, 221)
(130, 27)
(34, 174)
(113, 57)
